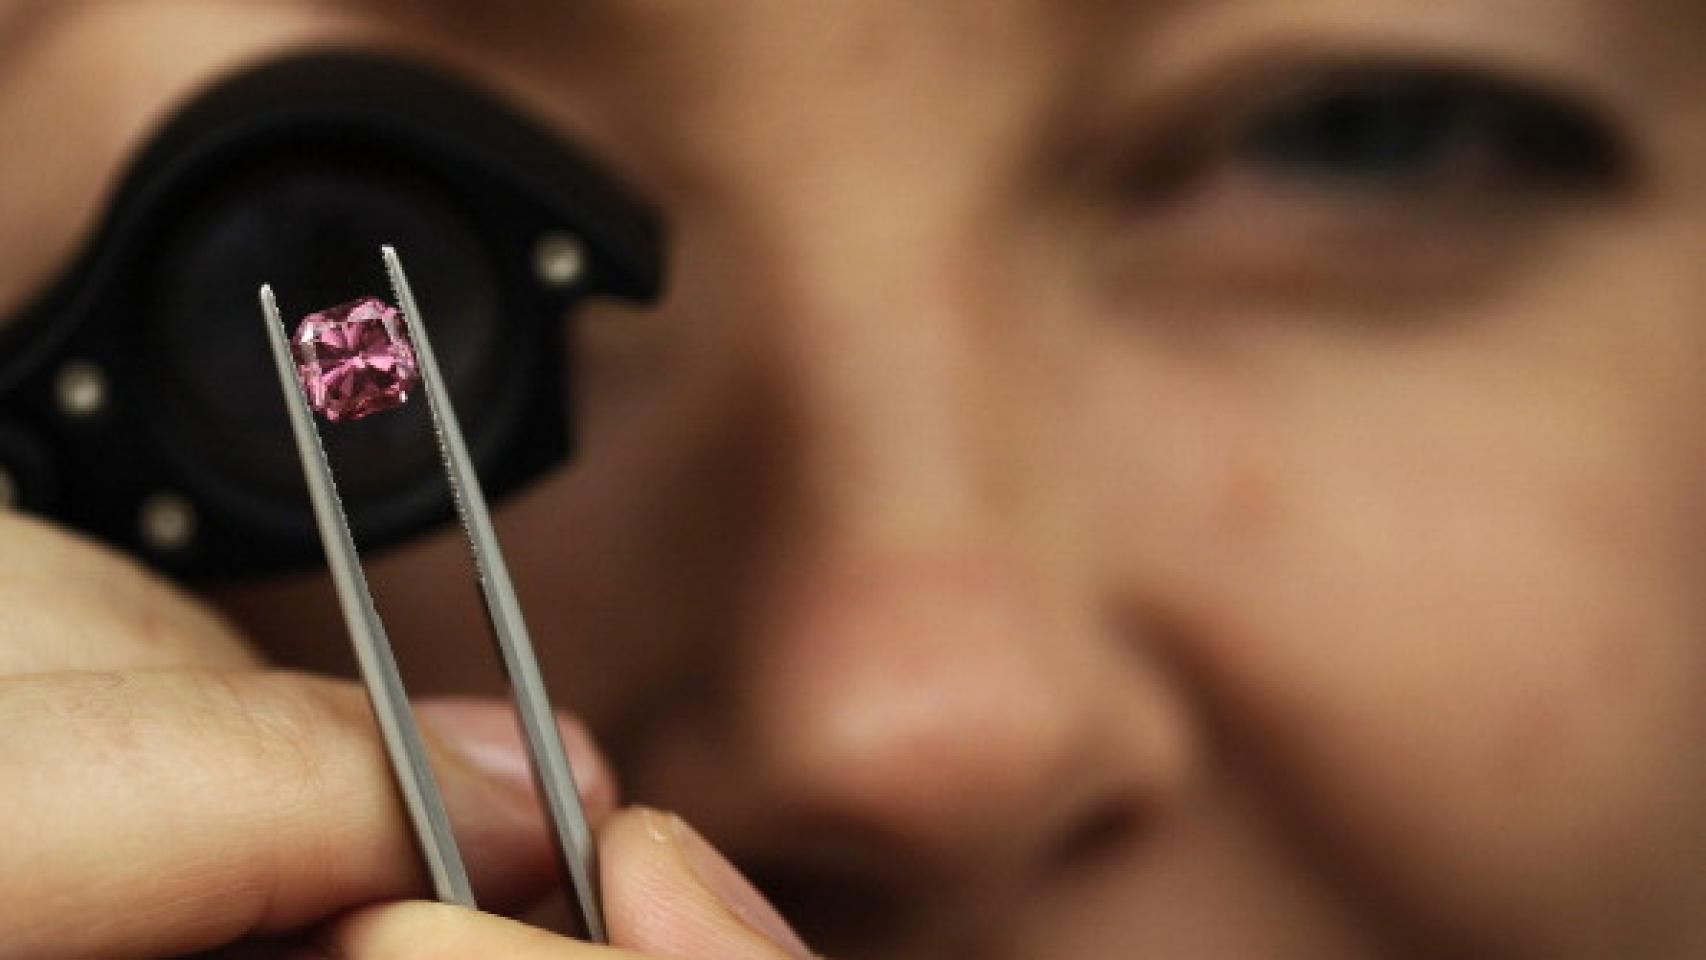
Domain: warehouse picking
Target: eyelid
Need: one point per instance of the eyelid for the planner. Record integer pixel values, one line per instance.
(1202, 46)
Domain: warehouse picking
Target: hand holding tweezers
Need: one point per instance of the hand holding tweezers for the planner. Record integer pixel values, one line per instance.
(421, 796)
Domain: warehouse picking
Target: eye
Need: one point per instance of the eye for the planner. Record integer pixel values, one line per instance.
(1421, 129)
(1358, 181)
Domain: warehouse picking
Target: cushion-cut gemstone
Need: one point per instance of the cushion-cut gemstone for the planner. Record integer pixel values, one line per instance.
(355, 360)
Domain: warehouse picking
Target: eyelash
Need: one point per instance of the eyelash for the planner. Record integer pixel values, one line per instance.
(1403, 131)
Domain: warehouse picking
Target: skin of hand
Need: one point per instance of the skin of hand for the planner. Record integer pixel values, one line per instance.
(1045, 518)
(181, 796)
(669, 895)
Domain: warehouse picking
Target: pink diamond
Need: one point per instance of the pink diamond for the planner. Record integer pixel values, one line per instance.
(355, 360)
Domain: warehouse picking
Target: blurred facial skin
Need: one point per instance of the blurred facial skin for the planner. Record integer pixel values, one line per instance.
(1108, 479)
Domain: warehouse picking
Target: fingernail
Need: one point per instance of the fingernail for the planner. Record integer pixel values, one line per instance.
(726, 883)
(487, 735)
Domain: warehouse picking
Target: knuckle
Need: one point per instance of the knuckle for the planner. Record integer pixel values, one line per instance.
(296, 731)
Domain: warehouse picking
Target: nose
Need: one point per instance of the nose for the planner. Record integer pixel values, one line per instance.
(933, 693)
(939, 718)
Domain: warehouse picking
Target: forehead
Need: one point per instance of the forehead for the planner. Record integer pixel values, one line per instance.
(689, 52)
(702, 77)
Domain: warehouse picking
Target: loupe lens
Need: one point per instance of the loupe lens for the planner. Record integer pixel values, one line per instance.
(311, 231)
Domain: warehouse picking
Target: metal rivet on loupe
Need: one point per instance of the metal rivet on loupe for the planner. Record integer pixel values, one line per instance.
(80, 390)
(9, 492)
(560, 260)
(167, 522)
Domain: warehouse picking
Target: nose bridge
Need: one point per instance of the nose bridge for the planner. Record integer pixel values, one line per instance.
(880, 352)
(859, 227)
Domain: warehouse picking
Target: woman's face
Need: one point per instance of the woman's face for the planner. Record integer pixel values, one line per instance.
(1107, 479)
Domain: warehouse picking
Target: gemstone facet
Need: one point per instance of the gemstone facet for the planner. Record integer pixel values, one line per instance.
(355, 360)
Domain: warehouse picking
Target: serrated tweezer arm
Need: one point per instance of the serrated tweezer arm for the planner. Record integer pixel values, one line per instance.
(419, 788)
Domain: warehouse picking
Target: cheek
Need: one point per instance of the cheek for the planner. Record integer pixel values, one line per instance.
(1459, 623)
(1490, 672)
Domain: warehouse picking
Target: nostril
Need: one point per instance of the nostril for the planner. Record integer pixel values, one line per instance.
(1102, 831)
(839, 915)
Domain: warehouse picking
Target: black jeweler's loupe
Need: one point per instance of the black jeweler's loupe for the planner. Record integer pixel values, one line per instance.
(137, 400)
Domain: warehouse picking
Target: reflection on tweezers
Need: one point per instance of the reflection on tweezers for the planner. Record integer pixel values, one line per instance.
(401, 735)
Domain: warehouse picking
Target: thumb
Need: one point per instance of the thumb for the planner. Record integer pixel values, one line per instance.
(669, 893)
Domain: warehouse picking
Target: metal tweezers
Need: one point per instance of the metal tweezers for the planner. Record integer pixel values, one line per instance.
(421, 796)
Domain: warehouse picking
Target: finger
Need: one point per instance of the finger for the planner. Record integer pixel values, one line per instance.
(429, 931)
(170, 813)
(74, 605)
(669, 893)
